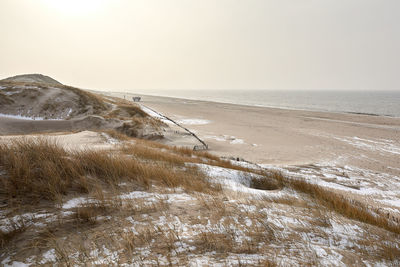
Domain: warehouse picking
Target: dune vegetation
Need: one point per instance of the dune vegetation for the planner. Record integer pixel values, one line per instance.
(145, 203)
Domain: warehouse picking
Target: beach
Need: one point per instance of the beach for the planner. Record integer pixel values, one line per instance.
(200, 133)
(293, 183)
(351, 153)
(286, 137)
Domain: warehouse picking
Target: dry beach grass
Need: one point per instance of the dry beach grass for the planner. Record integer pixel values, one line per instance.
(38, 175)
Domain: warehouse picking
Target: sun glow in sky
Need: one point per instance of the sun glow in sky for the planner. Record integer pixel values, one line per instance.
(204, 44)
(75, 7)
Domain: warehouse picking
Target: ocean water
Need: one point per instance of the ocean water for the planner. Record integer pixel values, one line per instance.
(383, 103)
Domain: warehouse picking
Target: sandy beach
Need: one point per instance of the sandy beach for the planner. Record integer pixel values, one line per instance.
(287, 137)
(358, 154)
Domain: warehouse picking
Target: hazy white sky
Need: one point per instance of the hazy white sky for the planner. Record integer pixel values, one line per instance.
(186, 44)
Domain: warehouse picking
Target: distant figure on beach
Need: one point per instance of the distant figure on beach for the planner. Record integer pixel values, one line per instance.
(136, 98)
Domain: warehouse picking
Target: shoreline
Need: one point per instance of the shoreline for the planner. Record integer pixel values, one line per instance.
(388, 119)
(259, 105)
(177, 107)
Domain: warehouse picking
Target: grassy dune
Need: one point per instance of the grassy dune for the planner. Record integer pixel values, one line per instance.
(83, 207)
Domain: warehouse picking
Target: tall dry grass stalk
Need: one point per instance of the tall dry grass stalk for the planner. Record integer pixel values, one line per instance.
(179, 155)
(15, 227)
(86, 98)
(337, 202)
(37, 169)
(40, 169)
(133, 110)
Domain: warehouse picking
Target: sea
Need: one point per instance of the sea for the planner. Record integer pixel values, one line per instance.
(379, 103)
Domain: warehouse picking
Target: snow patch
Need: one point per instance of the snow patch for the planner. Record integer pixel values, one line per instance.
(217, 138)
(151, 112)
(49, 256)
(237, 142)
(223, 138)
(8, 263)
(386, 146)
(20, 117)
(193, 121)
(75, 202)
(109, 139)
(155, 115)
(152, 197)
(27, 219)
(237, 181)
(392, 202)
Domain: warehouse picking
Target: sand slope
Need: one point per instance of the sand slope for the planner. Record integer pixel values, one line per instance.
(47, 101)
(35, 103)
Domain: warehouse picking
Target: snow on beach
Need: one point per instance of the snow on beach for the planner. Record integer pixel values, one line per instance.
(110, 140)
(185, 121)
(156, 115)
(238, 181)
(76, 202)
(389, 147)
(382, 145)
(383, 187)
(328, 242)
(193, 121)
(20, 117)
(237, 141)
(151, 113)
(225, 138)
(380, 189)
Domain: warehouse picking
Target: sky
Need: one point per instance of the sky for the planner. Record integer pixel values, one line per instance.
(128, 45)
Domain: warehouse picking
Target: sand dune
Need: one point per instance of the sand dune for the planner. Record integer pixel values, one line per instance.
(32, 78)
(37, 103)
